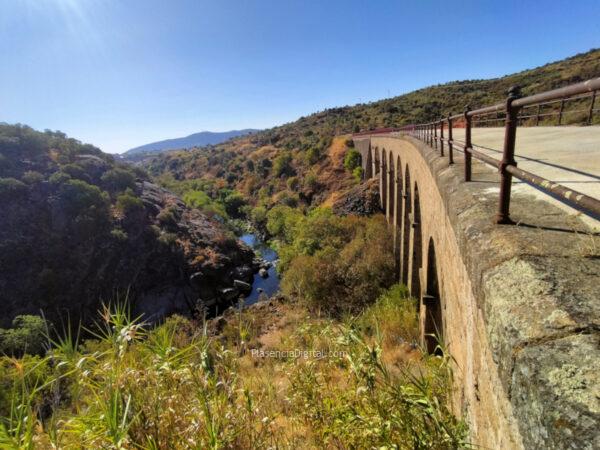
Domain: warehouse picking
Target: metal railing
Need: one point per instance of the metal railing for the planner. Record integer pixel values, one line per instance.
(510, 113)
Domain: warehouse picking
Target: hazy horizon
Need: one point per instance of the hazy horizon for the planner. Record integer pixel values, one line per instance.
(123, 75)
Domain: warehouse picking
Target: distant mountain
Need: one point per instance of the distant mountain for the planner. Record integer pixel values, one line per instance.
(193, 140)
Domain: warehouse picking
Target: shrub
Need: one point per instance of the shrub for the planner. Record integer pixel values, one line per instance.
(201, 200)
(32, 177)
(27, 335)
(75, 171)
(311, 181)
(11, 188)
(118, 235)
(168, 217)
(287, 198)
(258, 216)
(313, 155)
(168, 239)
(281, 222)
(129, 204)
(233, 203)
(282, 166)
(82, 200)
(264, 166)
(118, 180)
(352, 159)
(59, 177)
(4, 163)
(357, 173)
(293, 183)
(334, 264)
(393, 315)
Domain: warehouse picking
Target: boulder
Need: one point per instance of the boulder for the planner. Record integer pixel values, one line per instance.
(263, 273)
(242, 285)
(196, 279)
(229, 294)
(244, 272)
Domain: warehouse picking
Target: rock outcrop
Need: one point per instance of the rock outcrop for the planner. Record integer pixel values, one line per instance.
(362, 200)
(78, 228)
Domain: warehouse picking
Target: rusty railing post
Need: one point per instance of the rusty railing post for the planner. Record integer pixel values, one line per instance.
(560, 112)
(428, 133)
(442, 137)
(467, 148)
(430, 140)
(435, 136)
(431, 134)
(537, 116)
(508, 157)
(450, 144)
(591, 111)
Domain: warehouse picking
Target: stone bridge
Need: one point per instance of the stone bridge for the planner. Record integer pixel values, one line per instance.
(516, 306)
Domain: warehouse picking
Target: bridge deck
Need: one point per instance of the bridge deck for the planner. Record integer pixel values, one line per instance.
(566, 155)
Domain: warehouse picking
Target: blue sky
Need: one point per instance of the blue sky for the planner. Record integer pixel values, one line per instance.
(121, 73)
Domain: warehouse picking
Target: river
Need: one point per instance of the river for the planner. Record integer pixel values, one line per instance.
(269, 285)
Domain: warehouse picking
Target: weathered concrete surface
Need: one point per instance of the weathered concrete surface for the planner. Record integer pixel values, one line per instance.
(520, 303)
(568, 155)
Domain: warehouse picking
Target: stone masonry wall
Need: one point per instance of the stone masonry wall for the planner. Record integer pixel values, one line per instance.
(520, 309)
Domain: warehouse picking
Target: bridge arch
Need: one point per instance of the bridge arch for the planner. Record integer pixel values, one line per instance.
(431, 308)
(368, 166)
(383, 180)
(398, 211)
(416, 239)
(406, 227)
(391, 187)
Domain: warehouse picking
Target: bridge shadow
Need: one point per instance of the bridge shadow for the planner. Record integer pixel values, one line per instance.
(546, 163)
(558, 229)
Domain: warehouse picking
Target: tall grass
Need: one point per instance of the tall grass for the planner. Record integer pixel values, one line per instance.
(176, 387)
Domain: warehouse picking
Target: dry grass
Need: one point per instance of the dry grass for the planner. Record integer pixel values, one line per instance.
(176, 387)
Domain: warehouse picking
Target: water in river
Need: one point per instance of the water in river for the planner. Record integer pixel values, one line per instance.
(269, 285)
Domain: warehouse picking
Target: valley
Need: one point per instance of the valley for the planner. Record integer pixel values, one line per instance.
(252, 293)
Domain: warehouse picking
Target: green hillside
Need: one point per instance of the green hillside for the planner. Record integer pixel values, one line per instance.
(302, 163)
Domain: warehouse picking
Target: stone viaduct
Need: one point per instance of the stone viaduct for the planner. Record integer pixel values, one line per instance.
(516, 306)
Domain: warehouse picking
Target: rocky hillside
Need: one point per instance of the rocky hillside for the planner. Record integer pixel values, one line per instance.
(78, 228)
(302, 163)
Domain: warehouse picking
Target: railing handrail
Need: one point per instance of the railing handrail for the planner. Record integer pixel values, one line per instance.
(427, 132)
